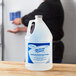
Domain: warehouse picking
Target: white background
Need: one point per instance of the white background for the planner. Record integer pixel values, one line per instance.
(70, 31)
(14, 43)
(0, 28)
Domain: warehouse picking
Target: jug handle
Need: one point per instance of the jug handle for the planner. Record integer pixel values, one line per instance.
(29, 26)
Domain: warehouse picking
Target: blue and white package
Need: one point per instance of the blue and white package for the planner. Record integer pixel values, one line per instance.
(14, 15)
(11, 16)
(18, 14)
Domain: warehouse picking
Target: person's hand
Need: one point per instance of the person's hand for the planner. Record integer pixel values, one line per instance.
(18, 29)
(17, 21)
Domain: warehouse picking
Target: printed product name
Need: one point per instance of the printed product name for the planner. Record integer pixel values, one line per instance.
(38, 53)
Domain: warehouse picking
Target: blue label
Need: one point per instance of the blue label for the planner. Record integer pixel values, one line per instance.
(38, 52)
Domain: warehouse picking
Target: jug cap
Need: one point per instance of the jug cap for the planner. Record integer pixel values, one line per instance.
(38, 16)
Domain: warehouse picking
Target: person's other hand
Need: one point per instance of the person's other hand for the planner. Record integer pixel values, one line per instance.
(17, 21)
(18, 29)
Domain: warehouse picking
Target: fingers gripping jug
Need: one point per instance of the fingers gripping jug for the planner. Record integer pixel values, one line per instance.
(38, 45)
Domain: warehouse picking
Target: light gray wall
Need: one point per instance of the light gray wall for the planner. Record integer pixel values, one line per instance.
(70, 31)
(0, 29)
(14, 47)
(14, 44)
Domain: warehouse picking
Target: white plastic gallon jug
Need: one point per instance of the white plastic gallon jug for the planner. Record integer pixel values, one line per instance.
(38, 45)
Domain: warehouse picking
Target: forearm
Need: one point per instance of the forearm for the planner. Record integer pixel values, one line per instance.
(39, 11)
(23, 29)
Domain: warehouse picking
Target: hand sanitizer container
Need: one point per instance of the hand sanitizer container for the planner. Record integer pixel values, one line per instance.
(38, 46)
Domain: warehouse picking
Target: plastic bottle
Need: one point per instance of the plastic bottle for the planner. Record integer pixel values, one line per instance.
(38, 45)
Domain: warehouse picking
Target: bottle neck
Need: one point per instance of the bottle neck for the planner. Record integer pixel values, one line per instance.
(38, 19)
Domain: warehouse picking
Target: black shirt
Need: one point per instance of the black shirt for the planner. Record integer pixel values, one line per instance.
(53, 16)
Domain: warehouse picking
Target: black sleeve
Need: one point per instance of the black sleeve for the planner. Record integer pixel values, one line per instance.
(42, 10)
